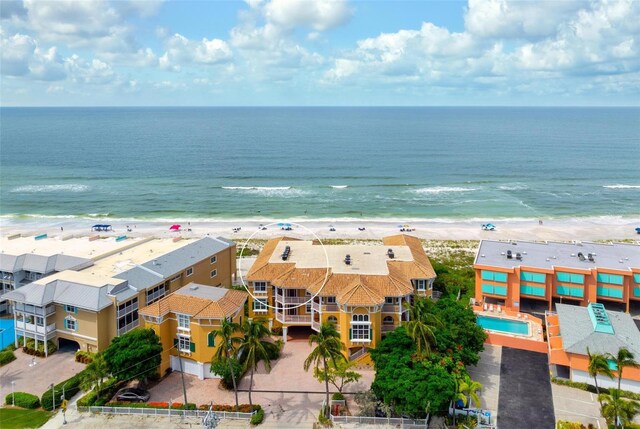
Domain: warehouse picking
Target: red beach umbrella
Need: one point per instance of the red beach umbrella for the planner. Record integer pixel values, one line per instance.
(175, 227)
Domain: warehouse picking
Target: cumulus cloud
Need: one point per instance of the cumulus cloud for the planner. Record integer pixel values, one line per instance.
(319, 14)
(180, 51)
(22, 56)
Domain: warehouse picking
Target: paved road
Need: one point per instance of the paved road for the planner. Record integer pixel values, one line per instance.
(525, 399)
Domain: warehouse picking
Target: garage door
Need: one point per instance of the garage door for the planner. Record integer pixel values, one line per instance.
(583, 377)
(189, 366)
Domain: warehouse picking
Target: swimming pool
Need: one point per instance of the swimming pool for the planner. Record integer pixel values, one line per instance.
(7, 332)
(504, 325)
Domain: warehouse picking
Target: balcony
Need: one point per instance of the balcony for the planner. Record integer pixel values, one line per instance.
(315, 325)
(32, 327)
(30, 309)
(330, 308)
(128, 309)
(293, 319)
(292, 299)
(391, 308)
(315, 306)
(388, 328)
(127, 328)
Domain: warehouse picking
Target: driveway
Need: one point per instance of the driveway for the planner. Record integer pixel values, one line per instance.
(290, 396)
(487, 373)
(35, 379)
(525, 399)
(576, 405)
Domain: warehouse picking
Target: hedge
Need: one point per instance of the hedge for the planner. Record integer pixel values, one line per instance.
(71, 387)
(23, 400)
(107, 390)
(6, 357)
(84, 357)
(161, 405)
(337, 396)
(30, 348)
(257, 418)
(242, 408)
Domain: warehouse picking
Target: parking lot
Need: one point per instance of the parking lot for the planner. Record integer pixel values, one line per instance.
(576, 405)
(487, 373)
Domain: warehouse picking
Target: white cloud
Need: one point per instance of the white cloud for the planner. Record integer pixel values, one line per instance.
(95, 72)
(181, 51)
(22, 56)
(318, 14)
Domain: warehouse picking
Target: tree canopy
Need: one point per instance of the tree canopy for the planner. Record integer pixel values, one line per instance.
(136, 354)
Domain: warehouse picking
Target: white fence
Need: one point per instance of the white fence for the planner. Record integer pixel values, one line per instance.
(379, 420)
(164, 412)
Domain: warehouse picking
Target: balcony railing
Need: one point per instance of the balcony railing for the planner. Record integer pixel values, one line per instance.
(291, 299)
(128, 309)
(30, 309)
(388, 328)
(330, 308)
(359, 353)
(390, 308)
(315, 306)
(291, 318)
(315, 325)
(32, 327)
(128, 327)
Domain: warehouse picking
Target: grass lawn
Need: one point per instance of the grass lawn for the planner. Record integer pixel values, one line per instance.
(18, 418)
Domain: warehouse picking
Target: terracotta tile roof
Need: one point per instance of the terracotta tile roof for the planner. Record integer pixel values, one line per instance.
(196, 307)
(351, 289)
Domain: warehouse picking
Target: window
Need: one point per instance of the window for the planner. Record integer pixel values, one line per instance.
(613, 279)
(173, 279)
(211, 339)
(332, 319)
(360, 318)
(70, 324)
(155, 294)
(388, 300)
(260, 287)
(183, 321)
(308, 298)
(184, 343)
(331, 300)
(533, 277)
(127, 316)
(494, 276)
(260, 305)
(189, 271)
(570, 278)
(214, 273)
(39, 321)
(70, 309)
(388, 320)
(360, 333)
(214, 259)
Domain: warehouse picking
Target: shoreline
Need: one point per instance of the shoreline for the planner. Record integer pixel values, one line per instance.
(581, 229)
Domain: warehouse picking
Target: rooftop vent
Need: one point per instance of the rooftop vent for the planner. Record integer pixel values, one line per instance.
(573, 255)
(514, 243)
(193, 287)
(590, 256)
(390, 254)
(599, 318)
(581, 256)
(347, 259)
(155, 262)
(509, 254)
(502, 253)
(482, 256)
(518, 256)
(524, 252)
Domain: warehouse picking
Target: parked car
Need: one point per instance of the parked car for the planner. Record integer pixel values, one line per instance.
(133, 395)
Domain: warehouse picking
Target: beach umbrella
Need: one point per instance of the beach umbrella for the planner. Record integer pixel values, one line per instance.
(281, 224)
(405, 226)
(287, 225)
(175, 227)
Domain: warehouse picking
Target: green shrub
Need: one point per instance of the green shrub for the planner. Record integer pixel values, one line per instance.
(563, 424)
(324, 421)
(337, 396)
(30, 348)
(84, 357)
(222, 369)
(592, 389)
(71, 387)
(109, 388)
(258, 417)
(6, 357)
(11, 348)
(23, 400)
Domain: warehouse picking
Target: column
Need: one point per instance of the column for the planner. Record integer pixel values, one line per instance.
(15, 324)
(24, 330)
(284, 333)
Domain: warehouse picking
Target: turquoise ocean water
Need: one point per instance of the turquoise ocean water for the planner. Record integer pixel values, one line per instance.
(404, 163)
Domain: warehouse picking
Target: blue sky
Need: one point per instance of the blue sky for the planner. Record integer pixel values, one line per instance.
(322, 52)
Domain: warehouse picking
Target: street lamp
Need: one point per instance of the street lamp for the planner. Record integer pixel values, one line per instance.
(13, 395)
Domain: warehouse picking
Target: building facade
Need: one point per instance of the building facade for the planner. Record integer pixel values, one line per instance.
(521, 275)
(362, 289)
(186, 320)
(91, 306)
(574, 331)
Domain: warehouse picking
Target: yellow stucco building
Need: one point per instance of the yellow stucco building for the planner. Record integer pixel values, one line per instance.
(361, 288)
(185, 321)
(86, 308)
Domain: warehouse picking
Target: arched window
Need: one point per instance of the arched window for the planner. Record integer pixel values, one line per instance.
(332, 319)
(360, 318)
(211, 339)
(388, 320)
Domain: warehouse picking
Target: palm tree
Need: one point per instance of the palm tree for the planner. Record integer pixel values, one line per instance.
(598, 364)
(328, 349)
(254, 347)
(469, 388)
(94, 373)
(623, 359)
(420, 326)
(227, 350)
(615, 409)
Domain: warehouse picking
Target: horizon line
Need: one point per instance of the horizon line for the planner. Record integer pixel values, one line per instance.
(327, 106)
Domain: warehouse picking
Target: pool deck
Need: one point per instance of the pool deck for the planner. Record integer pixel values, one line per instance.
(534, 341)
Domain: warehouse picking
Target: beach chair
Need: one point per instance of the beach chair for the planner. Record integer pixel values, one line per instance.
(499, 309)
(518, 315)
(491, 308)
(485, 306)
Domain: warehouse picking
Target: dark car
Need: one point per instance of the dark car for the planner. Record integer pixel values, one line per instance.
(133, 395)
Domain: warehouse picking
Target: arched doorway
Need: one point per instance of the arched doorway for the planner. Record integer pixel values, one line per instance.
(65, 345)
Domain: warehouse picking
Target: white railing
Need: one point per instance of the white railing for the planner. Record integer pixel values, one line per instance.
(30, 309)
(128, 327)
(292, 299)
(315, 325)
(128, 309)
(286, 318)
(379, 420)
(315, 306)
(359, 353)
(163, 412)
(32, 327)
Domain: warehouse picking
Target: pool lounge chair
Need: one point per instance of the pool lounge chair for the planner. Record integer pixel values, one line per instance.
(491, 308)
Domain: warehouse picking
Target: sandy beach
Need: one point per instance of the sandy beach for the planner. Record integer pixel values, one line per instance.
(582, 229)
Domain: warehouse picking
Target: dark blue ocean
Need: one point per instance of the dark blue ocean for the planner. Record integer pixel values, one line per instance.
(408, 163)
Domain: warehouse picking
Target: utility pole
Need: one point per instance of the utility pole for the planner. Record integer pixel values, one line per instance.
(184, 389)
